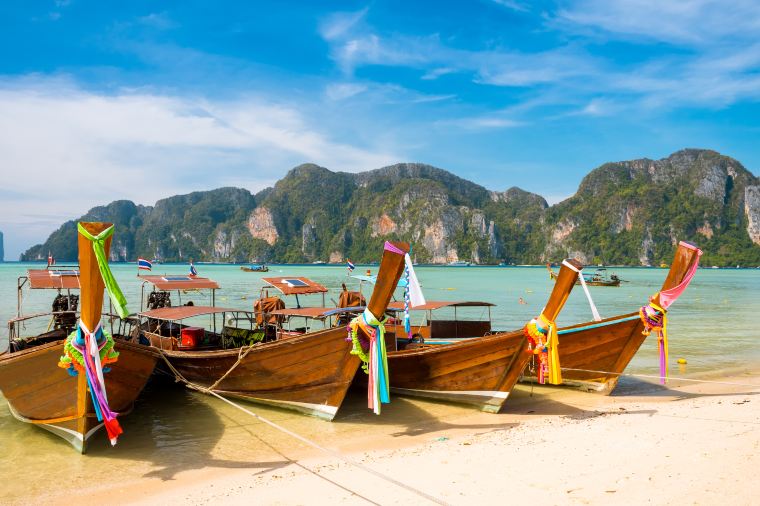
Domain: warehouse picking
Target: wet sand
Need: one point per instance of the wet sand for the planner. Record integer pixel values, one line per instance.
(688, 443)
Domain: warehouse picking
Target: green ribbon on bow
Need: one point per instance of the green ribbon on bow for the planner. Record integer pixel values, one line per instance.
(99, 247)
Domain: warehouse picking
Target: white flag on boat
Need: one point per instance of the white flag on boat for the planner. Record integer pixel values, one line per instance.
(416, 298)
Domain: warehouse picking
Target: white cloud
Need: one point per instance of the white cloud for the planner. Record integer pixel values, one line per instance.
(341, 91)
(65, 149)
(438, 72)
(694, 22)
(157, 20)
(512, 4)
(482, 122)
(718, 64)
(340, 23)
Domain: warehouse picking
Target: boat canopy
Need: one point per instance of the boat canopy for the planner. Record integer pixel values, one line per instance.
(66, 279)
(168, 282)
(362, 277)
(433, 305)
(316, 312)
(290, 285)
(183, 312)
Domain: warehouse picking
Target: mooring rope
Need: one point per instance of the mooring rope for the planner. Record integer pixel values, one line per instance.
(334, 453)
(241, 355)
(652, 376)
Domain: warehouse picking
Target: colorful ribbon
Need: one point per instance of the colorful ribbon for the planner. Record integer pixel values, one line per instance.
(89, 352)
(373, 356)
(669, 296)
(655, 319)
(655, 316)
(407, 319)
(544, 342)
(99, 247)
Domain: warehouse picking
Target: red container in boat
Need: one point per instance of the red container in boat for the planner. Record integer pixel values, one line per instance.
(190, 337)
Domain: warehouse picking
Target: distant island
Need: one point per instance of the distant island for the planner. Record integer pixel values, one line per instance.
(624, 213)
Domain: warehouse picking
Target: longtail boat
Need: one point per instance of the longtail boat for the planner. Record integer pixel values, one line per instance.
(255, 268)
(480, 371)
(600, 277)
(594, 354)
(74, 395)
(309, 372)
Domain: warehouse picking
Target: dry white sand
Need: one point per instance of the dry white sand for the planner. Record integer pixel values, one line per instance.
(689, 444)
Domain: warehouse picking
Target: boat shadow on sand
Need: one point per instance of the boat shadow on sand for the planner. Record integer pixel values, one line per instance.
(634, 387)
(413, 417)
(176, 430)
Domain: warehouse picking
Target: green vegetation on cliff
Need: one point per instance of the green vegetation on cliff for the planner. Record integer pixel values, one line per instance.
(630, 212)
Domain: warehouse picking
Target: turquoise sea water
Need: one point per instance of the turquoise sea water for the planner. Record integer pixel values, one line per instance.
(172, 429)
(711, 325)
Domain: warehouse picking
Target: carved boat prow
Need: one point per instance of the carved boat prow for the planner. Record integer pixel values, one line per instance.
(481, 371)
(40, 392)
(609, 345)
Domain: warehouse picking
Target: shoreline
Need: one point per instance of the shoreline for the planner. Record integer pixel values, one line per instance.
(665, 445)
(375, 264)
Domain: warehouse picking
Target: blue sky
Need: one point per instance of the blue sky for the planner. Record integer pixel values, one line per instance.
(142, 100)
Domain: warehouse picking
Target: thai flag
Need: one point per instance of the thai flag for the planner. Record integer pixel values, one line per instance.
(193, 270)
(144, 265)
(350, 266)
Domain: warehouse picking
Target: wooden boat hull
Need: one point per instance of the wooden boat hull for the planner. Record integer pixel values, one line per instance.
(310, 373)
(480, 372)
(607, 345)
(600, 283)
(41, 393)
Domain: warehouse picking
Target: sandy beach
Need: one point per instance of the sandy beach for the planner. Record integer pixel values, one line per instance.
(686, 444)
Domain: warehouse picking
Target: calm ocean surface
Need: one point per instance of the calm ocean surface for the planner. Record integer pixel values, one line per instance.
(713, 326)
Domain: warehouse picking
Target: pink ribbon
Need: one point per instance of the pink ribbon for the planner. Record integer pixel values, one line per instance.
(669, 296)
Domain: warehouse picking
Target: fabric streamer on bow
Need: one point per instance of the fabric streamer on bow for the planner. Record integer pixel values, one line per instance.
(544, 342)
(407, 319)
(88, 352)
(655, 316)
(373, 353)
(98, 246)
(375, 358)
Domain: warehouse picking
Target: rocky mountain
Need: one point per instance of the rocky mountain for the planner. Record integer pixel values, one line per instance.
(630, 212)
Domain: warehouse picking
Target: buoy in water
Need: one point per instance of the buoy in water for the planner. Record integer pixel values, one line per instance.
(681, 360)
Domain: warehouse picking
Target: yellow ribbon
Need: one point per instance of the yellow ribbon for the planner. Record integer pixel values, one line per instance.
(551, 345)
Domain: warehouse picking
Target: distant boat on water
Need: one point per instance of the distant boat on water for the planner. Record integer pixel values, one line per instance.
(459, 263)
(255, 268)
(600, 277)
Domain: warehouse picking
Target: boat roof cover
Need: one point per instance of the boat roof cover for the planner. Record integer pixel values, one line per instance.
(180, 282)
(184, 312)
(316, 312)
(437, 304)
(67, 279)
(362, 277)
(291, 285)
